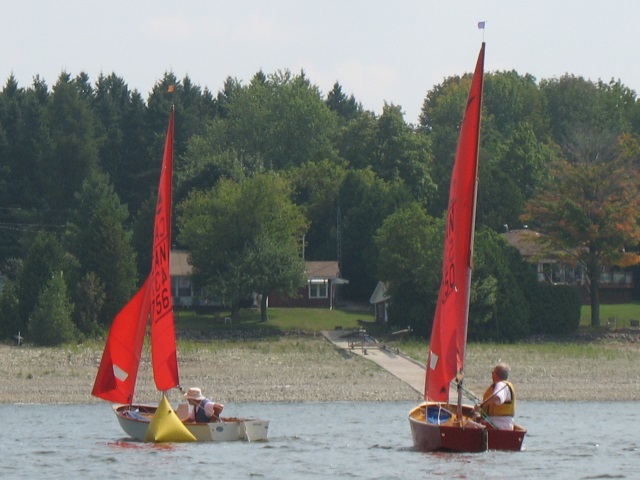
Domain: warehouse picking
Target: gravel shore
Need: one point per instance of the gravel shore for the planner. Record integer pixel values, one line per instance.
(309, 368)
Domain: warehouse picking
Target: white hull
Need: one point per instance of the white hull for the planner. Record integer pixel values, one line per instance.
(135, 419)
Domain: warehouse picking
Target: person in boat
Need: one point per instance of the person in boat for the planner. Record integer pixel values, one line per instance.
(203, 410)
(499, 400)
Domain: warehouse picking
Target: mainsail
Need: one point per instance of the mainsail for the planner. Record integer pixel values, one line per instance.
(449, 334)
(163, 337)
(118, 371)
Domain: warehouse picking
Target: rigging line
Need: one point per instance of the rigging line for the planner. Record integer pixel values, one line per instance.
(39, 225)
(29, 230)
(32, 210)
(476, 400)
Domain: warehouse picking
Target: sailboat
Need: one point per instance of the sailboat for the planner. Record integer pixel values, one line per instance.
(118, 371)
(442, 422)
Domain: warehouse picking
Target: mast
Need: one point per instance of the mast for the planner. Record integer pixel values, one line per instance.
(478, 78)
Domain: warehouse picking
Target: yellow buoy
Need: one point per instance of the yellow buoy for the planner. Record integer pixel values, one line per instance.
(165, 426)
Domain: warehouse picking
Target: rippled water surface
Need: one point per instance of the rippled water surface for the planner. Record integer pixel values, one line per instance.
(319, 441)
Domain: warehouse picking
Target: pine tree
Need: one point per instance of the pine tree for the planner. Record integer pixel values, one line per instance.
(50, 322)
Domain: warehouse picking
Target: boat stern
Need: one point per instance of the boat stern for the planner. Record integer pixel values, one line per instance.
(435, 427)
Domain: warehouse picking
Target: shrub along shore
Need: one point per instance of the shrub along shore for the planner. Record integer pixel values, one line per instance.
(308, 368)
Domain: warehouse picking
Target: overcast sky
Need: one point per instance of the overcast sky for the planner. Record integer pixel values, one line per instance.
(391, 51)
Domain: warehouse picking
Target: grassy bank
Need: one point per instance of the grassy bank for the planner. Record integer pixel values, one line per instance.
(623, 313)
(312, 319)
(300, 319)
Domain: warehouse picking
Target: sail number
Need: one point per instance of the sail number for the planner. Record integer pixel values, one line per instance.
(448, 266)
(161, 301)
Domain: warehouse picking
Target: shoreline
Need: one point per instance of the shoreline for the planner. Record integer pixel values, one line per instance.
(310, 369)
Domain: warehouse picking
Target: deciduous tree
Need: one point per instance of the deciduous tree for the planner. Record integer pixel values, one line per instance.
(235, 231)
(589, 208)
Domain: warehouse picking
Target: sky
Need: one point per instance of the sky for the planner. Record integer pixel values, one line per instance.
(392, 51)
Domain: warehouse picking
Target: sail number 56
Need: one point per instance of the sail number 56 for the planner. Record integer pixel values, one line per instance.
(162, 302)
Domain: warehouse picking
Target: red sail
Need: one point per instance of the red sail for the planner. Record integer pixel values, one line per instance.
(116, 378)
(449, 333)
(163, 338)
(118, 369)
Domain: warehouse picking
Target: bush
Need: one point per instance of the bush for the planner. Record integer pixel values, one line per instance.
(499, 309)
(555, 309)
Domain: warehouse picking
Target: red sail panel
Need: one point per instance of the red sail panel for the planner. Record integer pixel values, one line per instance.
(116, 378)
(449, 333)
(163, 338)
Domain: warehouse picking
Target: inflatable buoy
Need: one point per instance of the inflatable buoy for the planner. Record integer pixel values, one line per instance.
(165, 426)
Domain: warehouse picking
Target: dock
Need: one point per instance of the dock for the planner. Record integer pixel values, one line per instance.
(395, 362)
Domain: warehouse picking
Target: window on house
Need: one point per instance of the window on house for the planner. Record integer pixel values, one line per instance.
(184, 291)
(180, 287)
(318, 288)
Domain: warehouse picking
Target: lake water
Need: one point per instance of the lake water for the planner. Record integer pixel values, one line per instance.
(319, 441)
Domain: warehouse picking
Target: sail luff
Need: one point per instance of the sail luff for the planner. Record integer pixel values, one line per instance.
(163, 340)
(449, 333)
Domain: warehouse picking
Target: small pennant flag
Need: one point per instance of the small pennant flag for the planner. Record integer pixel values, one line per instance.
(481, 25)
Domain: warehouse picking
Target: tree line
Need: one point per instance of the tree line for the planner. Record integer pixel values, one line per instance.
(271, 168)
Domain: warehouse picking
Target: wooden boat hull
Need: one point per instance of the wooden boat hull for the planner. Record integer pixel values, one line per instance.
(506, 439)
(434, 427)
(135, 419)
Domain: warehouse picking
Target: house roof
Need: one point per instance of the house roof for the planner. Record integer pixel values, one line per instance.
(327, 269)
(179, 265)
(525, 241)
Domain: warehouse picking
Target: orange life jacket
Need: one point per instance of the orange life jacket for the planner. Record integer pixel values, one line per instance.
(507, 409)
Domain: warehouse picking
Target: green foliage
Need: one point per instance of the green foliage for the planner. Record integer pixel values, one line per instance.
(292, 319)
(510, 101)
(410, 244)
(142, 235)
(97, 238)
(365, 201)
(622, 312)
(347, 108)
(572, 101)
(50, 322)
(555, 309)
(511, 167)
(45, 256)
(9, 311)
(261, 117)
(74, 154)
(90, 298)
(231, 228)
(440, 119)
(499, 309)
(316, 188)
(122, 139)
(275, 266)
(338, 156)
(402, 154)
